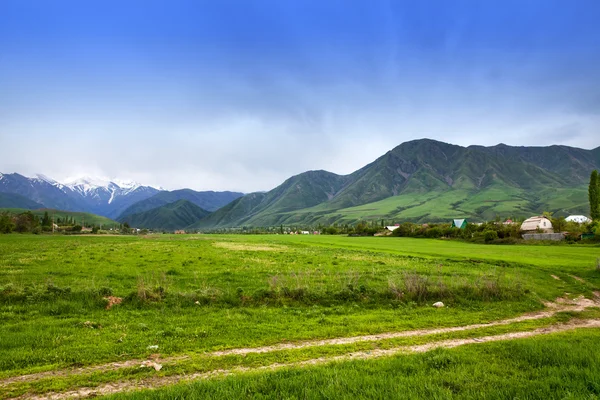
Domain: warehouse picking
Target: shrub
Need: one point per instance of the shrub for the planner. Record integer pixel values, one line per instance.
(490, 235)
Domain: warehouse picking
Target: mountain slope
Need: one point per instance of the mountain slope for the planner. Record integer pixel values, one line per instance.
(12, 200)
(100, 197)
(298, 192)
(208, 200)
(108, 198)
(41, 190)
(425, 180)
(172, 216)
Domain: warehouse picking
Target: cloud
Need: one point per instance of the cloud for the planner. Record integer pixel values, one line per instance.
(195, 97)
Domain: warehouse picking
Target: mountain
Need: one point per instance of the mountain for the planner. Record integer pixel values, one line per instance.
(109, 198)
(298, 192)
(11, 200)
(102, 197)
(169, 217)
(425, 181)
(42, 190)
(209, 200)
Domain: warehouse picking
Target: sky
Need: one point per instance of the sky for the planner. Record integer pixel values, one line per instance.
(242, 94)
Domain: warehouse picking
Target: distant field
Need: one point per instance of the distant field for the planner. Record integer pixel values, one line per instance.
(192, 296)
(79, 217)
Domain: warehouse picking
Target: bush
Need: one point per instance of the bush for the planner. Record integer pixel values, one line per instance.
(490, 235)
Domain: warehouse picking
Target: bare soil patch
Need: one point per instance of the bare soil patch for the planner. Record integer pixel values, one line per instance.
(578, 279)
(248, 247)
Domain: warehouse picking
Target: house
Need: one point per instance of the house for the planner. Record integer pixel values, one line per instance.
(459, 223)
(580, 219)
(392, 228)
(508, 222)
(534, 224)
(180, 232)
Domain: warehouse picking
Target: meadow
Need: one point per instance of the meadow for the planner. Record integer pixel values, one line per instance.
(191, 302)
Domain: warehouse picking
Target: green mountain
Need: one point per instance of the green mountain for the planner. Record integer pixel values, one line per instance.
(80, 218)
(298, 192)
(209, 200)
(13, 200)
(168, 217)
(425, 181)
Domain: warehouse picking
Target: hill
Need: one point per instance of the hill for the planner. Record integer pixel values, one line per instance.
(208, 200)
(12, 200)
(424, 181)
(79, 217)
(298, 192)
(169, 217)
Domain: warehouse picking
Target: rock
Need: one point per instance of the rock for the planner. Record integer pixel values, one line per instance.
(439, 304)
(151, 364)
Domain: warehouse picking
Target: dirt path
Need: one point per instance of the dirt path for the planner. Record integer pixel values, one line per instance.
(578, 279)
(561, 304)
(153, 383)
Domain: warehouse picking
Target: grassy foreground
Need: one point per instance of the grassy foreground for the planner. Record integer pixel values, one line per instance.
(191, 294)
(556, 367)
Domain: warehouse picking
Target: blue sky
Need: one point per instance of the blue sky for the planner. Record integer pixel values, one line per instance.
(240, 95)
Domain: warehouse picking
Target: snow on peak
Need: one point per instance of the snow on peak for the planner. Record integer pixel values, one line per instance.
(44, 178)
(123, 184)
(88, 182)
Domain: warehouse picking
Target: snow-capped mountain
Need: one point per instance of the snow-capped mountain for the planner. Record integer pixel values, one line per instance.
(96, 195)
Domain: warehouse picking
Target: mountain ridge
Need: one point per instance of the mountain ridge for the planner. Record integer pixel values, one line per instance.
(419, 180)
(417, 168)
(169, 217)
(207, 200)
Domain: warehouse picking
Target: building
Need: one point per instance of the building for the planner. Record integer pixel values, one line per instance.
(534, 224)
(392, 228)
(580, 219)
(459, 223)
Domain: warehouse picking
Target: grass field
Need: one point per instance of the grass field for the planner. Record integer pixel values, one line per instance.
(193, 301)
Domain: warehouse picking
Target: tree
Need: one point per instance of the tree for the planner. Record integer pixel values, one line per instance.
(6, 223)
(559, 224)
(46, 220)
(594, 195)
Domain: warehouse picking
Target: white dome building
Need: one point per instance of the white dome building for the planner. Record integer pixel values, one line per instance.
(534, 223)
(580, 219)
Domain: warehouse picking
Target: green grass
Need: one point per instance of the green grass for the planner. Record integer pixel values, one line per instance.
(202, 363)
(558, 366)
(254, 291)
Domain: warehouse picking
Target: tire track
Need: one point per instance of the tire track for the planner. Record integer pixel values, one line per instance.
(560, 305)
(154, 383)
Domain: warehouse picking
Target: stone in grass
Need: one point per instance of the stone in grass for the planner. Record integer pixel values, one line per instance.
(151, 364)
(439, 304)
